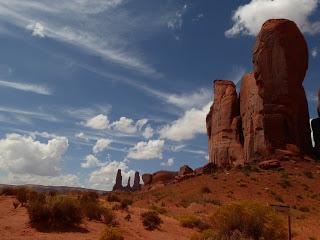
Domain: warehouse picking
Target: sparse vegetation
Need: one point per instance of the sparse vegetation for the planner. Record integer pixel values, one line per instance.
(55, 212)
(111, 233)
(160, 210)
(250, 219)
(208, 234)
(113, 198)
(22, 196)
(285, 181)
(191, 221)
(151, 220)
(15, 204)
(309, 174)
(125, 203)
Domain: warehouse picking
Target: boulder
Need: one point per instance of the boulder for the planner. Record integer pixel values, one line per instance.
(209, 168)
(147, 178)
(269, 164)
(184, 170)
(163, 177)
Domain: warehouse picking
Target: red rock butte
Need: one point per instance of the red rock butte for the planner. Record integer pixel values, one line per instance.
(271, 111)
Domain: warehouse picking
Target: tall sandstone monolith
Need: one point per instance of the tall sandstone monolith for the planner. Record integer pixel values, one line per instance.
(118, 184)
(272, 109)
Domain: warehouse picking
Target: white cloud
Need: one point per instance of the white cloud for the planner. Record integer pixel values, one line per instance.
(147, 150)
(148, 132)
(101, 145)
(90, 162)
(193, 122)
(98, 122)
(104, 178)
(81, 135)
(37, 29)
(314, 52)
(127, 125)
(249, 18)
(25, 155)
(31, 114)
(27, 87)
(168, 163)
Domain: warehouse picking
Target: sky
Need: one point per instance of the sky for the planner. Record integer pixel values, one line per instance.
(92, 86)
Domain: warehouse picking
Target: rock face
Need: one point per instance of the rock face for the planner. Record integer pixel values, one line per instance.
(315, 124)
(223, 125)
(147, 178)
(271, 110)
(136, 182)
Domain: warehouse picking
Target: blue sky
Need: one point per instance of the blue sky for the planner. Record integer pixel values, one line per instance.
(90, 86)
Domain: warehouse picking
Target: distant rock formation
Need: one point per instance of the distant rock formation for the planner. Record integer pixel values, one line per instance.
(271, 110)
(118, 185)
(185, 169)
(136, 182)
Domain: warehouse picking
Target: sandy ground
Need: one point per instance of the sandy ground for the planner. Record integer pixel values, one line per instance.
(14, 225)
(303, 192)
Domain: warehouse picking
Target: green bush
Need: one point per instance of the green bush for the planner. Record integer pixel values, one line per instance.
(55, 212)
(113, 198)
(151, 220)
(111, 233)
(125, 203)
(160, 210)
(251, 220)
(205, 189)
(108, 216)
(9, 191)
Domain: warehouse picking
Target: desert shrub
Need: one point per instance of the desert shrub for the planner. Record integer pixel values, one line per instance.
(111, 233)
(55, 212)
(151, 220)
(108, 216)
(22, 196)
(309, 174)
(15, 204)
(304, 209)
(90, 205)
(125, 203)
(208, 234)
(251, 220)
(191, 221)
(285, 181)
(205, 189)
(160, 210)
(9, 191)
(113, 198)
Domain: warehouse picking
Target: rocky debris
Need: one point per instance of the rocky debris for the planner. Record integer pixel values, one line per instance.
(163, 177)
(136, 182)
(184, 170)
(271, 112)
(209, 168)
(147, 178)
(118, 185)
(269, 164)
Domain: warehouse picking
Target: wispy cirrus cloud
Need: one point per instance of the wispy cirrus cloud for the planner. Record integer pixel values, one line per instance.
(27, 87)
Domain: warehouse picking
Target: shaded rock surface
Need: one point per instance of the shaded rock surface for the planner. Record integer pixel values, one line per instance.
(185, 169)
(269, 164)
(136, 182)
(118, 184)
(271, 111)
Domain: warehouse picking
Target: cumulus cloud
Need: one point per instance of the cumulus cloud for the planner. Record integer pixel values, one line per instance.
(168, 163)
(248, 18)
(128, 126)
(193, 122)
(37, 29)
(90, 162)
(81, 135)
(25, 155)
(148, 132)
(147, 150)
(99, 122)
(101, 145)
(104, 178)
